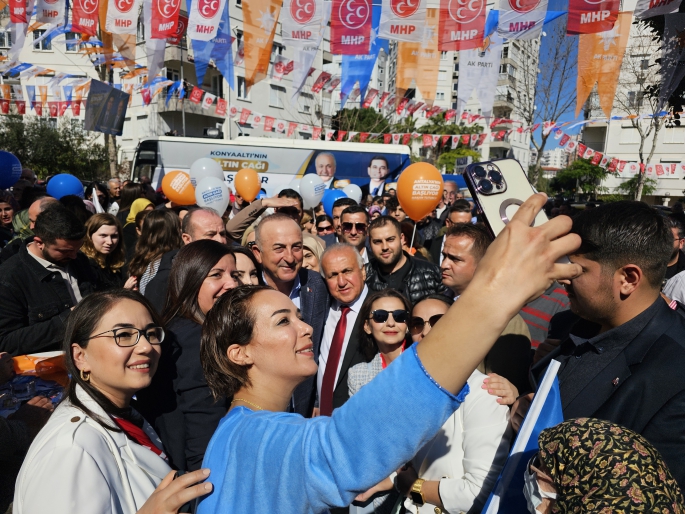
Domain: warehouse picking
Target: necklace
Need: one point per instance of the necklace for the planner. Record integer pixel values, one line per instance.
(245, 401)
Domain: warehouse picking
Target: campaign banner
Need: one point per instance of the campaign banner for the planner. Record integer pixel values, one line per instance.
(370, 97)
(329, 134)
(591, 16)
(351, 27)
(259, 24)
(521, 19)
(396, 139)
(649, 8)
(320, 82)
(122, 16)
(341, 135)
(166, 22)
(672, 56)
(105, 108)
(84, 16)
(278, 68)
(204, 17)
(4, 106)
(332, 84)
(403, 20)
(280, 126)
(244, 115)
(479, 71)
(21, 107)
(269, 123)
(50, 11)
(208, 100)
(461, 26)
(292, 127)
(316, 133)
(420, 62)
(18, 11)
(196, 95)
(221, 105)
(217, 49)
(76, 107)
(239, 54)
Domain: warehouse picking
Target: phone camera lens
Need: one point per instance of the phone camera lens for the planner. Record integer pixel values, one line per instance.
(495, 176)
(485, 186)
(479, 172)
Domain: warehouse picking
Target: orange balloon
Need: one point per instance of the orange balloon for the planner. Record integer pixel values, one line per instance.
(177, 187)
(419, 190)
(247, 184)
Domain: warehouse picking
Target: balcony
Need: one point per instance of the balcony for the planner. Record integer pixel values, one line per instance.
(503, 145)
(504, 102)
(176, 105)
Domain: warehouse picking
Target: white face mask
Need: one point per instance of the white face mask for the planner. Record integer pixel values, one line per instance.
(532, 492)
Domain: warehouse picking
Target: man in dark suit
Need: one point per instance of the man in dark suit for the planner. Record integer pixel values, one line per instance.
(278, 247)
(378, 171)
(623, 360)
(343, 270)
(458, 212)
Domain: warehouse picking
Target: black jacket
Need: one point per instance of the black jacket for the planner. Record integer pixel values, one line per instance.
(643, 388)
(352, 357)
(159, 285)
(106, 278)
(424, 279)
(35, 303)
(178, 403)
(11, 249)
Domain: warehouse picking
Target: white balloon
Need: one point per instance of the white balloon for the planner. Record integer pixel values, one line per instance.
(294, 184)
(212, 192)
(312, 189)
(353, 191)
(205, 167)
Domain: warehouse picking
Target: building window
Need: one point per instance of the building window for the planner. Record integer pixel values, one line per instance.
(141, 30)
(172, 74)
(675, 135)
(239, 3)
(381, 70)
(306, 101)
(440, 95)
(455, 86)
(512, 71)
(276, 96)
(380, 84)
(243, 94)
(443, 56)
(276, 49)
(502, 69)
(628, 136)
(442, 75)
(73, 40)
(43, 46)
(505, 52)
(218, 86)
(5, 39)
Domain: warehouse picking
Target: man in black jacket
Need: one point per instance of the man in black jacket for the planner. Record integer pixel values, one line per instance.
(42, 283)
(624, 360)
(393, 268)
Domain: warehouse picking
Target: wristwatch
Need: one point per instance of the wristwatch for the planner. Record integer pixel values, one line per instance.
(415, 492)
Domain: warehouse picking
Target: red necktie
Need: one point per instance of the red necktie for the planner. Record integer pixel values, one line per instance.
(328, 385)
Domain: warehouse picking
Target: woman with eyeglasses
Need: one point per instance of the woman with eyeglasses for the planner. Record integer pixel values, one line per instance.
(96, 454)
(178, 403)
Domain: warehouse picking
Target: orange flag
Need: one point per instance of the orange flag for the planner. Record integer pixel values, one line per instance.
(105, 36)
(6, 90)
(43, 91)
(420, 62)
(260, 19)
(599, 60)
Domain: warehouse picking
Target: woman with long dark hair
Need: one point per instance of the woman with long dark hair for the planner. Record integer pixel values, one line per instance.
(179, 403)
(130, 192)
(7, 212)
(96, 454)
(256, 349)
(161, 233)
(248, 269)
(104, 247)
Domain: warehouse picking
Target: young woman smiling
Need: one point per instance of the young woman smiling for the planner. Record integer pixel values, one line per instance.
(96, 454)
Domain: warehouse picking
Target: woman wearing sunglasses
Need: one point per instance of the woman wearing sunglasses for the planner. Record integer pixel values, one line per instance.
(324, 225)
(96, 454)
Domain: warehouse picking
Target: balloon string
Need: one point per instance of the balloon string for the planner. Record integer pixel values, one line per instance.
(413, 234)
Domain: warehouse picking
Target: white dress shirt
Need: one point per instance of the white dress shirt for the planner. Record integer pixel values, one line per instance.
(334, 315)
(294, 292)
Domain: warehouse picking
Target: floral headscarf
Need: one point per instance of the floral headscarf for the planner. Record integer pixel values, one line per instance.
(603, 468)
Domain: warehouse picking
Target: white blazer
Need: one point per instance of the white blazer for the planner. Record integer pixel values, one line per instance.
(76, 466)
(467, 454)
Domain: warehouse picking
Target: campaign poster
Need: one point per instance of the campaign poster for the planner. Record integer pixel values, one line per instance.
(105, 109)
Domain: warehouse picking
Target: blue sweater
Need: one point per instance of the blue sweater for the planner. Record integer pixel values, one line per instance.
(279, 462)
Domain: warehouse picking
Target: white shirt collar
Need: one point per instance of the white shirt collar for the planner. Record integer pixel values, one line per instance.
(295, 290)
(355, 305)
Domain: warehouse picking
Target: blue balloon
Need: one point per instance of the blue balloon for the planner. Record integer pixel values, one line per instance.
(329, 198)
(10, 170)
(63, 185)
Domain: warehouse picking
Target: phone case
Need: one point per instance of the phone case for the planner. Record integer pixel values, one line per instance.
(500, 205)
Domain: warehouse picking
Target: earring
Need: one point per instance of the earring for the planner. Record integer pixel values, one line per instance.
(85, 376)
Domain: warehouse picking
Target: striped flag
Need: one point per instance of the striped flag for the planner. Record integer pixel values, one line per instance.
(545, 411)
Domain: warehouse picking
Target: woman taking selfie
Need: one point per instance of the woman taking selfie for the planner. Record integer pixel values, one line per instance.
(256, 349)
(179, 403)
(96, 454)
(104, 248)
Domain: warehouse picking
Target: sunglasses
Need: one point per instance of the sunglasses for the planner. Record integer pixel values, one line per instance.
(327, 228)
(251, 244)
(416, 324)
(347, 226)
(381, 315)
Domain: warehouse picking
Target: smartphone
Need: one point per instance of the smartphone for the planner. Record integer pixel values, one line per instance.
(498, 188)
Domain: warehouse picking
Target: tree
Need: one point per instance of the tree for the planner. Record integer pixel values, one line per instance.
(360, 120)
(637, 95)
(629, 187)
(49, 150)
(580, 177)
(438, 125)
(546, 96)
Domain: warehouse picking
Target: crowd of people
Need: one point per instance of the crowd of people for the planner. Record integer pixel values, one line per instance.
(277, 359)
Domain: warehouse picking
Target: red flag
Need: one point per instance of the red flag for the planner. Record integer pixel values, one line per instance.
(597, 157)
(461, 24)
(17, 11)
(481, 139)
(53, 108)
(621, 165)
(465, 138)
(351, 27)
(329, 134)
(63, 106)
(590, 17)
(5, 106)
(196, 95)
(341, 134)
(321, 81)
(145, 93)
(445, 139)
(244, 115)
(84, 15)
(382, 99)
(164, 22)
(371, 95)
(364, 136)
(564, 140)
(581, 149)
(402, 105)
(427, 140)
(21, 107)
(269, 123)
(177, 36)
(291, 128)
(76, 107)
(451, 113)
(38, 107)
(406, 139)
(221, 106)
(387, 138)
(396, 139)
(316, 133)
(613, 164)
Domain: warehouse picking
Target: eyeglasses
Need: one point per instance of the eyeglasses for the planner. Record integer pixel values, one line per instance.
(250, 244)
(416, 324)
(360, 227)
(327, 228)
(381, 315)
(126, 336)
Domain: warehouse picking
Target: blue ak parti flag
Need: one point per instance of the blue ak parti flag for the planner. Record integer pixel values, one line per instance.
(217, 49)
(545, 411)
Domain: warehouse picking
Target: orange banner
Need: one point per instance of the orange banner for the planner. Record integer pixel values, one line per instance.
(599, 61)
(260, 19)
(6, 90)
(105, 37)
(43, 91)
(420, 62)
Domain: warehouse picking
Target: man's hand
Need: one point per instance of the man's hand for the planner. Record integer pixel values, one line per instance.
(544, 349)
(34, 414)
(6, 367)
(276, 203)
